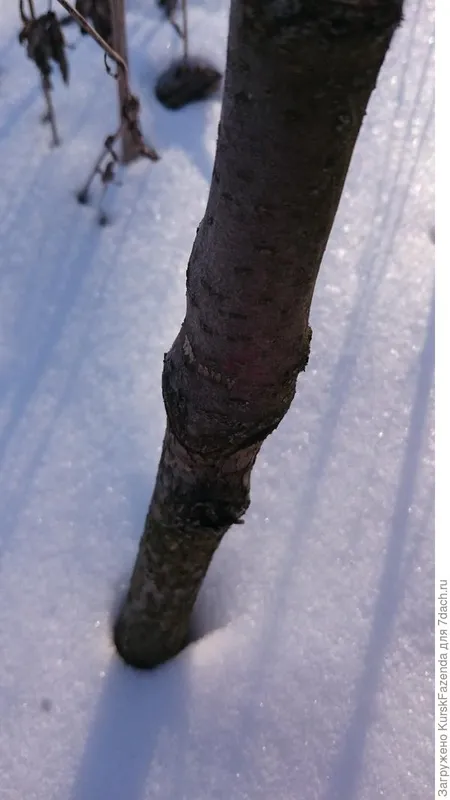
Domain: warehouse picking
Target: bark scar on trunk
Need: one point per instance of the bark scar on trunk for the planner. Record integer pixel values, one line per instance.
(206, 372)
(220, 377)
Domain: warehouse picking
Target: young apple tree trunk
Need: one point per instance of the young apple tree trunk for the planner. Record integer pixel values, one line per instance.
(298, 79)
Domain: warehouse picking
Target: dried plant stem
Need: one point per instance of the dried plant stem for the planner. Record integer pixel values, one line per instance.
(121, 63)
(176, 27)
(83, 194)
(185, 36)
(32, 9)
(130, 148)
(50, 116)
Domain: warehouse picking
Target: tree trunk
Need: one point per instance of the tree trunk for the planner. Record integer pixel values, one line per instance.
(298, 79)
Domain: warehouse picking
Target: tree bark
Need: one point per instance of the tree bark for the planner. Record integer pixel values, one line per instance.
(298, 79)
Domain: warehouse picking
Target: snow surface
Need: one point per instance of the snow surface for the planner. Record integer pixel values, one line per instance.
(312, 674)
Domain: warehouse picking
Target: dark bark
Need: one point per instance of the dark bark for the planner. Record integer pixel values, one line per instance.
(299, 76)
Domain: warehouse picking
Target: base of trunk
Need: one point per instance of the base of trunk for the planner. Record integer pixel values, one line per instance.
(145, 646)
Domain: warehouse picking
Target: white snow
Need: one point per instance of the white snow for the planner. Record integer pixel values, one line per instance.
(312, 674)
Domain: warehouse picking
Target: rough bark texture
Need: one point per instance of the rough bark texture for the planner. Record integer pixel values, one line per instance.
(299, 76)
